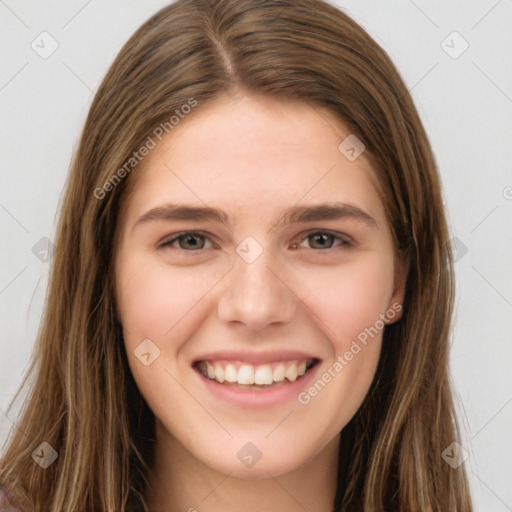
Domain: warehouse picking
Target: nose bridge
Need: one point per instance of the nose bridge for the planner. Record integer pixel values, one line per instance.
(256, 292)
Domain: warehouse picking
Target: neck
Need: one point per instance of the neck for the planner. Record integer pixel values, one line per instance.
(181, 482)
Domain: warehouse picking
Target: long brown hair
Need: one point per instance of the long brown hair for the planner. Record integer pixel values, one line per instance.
(83, 400)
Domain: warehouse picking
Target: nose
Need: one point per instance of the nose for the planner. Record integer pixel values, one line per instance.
(257, 294)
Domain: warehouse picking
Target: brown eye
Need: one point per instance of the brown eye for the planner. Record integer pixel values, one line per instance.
(322, 240)
(326, 240)
(188, 241)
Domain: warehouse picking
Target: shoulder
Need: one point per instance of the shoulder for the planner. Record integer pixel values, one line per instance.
(7, 502)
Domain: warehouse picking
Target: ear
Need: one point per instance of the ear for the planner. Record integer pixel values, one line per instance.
(395, 305)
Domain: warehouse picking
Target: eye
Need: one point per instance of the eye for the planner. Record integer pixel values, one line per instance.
(194, 241)
(325, 239)
(189, 241)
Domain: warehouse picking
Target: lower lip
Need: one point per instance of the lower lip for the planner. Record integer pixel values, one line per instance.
(259, 398)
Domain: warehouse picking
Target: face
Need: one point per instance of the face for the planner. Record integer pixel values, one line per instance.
(253, 315)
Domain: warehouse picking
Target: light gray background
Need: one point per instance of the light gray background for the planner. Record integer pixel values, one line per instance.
(465, 103)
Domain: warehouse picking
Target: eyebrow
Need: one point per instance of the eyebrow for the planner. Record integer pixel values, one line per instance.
(295, 214)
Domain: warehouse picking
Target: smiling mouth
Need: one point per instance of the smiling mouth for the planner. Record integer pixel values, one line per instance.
(259, 376)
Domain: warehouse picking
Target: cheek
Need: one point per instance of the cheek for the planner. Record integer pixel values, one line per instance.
(160, 303)
(350, 298)
(153, 297)
(350, 306)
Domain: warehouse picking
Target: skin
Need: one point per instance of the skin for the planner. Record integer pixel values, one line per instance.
(188, 301)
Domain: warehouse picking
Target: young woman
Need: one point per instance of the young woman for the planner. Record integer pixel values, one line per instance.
(251, 294)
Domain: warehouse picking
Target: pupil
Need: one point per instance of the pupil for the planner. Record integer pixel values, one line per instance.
(321, 238)
(192, 240)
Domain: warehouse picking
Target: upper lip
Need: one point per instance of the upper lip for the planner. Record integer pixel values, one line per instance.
(255, 357)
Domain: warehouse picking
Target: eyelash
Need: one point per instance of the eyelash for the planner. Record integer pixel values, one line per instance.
(345, 241)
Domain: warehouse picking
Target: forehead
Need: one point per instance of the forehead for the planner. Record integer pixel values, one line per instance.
(254, 155)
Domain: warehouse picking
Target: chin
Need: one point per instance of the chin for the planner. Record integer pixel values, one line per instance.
(261, 470)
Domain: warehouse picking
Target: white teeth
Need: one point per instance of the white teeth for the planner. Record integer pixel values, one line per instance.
(278, 374)
(247, 374)
(263, 375)
(291, 373)
(210, 370)
(230, 373)
(219, 373)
